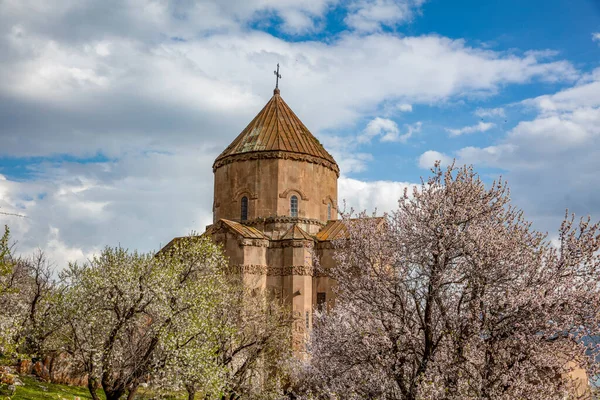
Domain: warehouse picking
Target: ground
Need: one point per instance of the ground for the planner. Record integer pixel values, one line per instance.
(36, 390)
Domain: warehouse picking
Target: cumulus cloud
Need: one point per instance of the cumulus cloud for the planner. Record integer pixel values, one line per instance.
(71, 210)
(480, 127)
(382, 196)
(74, 20)
(411, 129)
(378, 127)
(490, 112)
(160, 88)
(428, 159)
(596, 37)
(372, 15)
(387, 131)
(551, 161)
(404, 107)
(153, 82)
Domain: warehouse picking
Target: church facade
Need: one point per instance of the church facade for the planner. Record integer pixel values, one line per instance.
(275, 209)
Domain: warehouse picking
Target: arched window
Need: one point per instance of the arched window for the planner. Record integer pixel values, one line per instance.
(328, 211)
(294, 206)
(244, 208)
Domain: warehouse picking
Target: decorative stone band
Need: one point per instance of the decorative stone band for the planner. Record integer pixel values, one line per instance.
(253, 242)
(276, 243)
(284, 155)
(292, 243)
(301, 270)
(284, 219)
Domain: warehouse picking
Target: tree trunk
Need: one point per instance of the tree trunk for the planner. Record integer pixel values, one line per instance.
(92, 385)
(114, 394)
(191, 393)
(131, 393)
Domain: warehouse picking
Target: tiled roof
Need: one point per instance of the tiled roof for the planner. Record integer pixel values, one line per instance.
(245, 231)
(295, 232)
(333, 230)
(276, 128)
(337, 229)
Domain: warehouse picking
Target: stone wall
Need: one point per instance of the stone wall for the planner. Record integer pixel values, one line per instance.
(57, 368)
(269, 185)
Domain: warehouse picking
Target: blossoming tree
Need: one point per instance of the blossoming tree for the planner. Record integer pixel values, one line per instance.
(455, 296)
(122, 307)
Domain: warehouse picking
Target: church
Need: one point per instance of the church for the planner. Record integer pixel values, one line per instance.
(275, 208)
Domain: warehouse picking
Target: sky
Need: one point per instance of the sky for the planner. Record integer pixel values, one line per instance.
(112, 112)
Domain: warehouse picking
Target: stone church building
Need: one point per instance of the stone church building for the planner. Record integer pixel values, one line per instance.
(275, 206)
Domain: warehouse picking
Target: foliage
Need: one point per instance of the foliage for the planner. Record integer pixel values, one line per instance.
(8, 323)
(120, 307)
(27, 301)
(455, 296)
(226, 352)
(256, 346)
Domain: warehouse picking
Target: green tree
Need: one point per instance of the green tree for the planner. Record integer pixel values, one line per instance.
(121, 308)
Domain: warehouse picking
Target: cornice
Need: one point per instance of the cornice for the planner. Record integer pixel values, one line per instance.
(297, 243)
(254, 242)
(283, 155)
(299, 270)
(284, 219)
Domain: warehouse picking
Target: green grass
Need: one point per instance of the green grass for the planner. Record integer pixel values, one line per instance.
(37, 390)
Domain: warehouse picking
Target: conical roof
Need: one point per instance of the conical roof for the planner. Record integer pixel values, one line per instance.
(276, 129)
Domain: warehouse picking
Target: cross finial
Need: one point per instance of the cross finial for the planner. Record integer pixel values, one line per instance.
(278, 76)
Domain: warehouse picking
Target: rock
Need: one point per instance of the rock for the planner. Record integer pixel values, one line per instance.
(4, 370)
(12, 389)
(63, 370)
(25, 367)
(40, 370)
(18, 382)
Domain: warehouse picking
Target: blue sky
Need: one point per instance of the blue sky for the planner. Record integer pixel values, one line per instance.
(111, 112)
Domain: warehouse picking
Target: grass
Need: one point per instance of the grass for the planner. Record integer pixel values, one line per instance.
(37, 390)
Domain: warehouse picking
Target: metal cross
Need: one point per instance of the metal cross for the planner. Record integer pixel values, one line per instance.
(278, 77)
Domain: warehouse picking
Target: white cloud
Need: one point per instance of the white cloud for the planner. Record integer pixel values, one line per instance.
(387, 130)
(378, 127)
(115, 86)
(372, 15)
(490, 112)
(72, 210)
(490, 155)
(182, 19)
(380, 195)
(429, 158)
(353, 162)
(411, 129)
(584, 94)
(162, 87)
(596, 37)
(404, 107)
(551, 161)
(480, 127)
